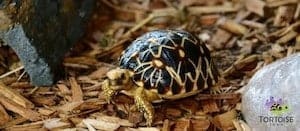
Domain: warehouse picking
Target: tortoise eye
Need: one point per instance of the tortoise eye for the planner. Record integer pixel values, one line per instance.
(123, 76)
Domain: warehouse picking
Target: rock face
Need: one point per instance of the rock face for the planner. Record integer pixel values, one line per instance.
(42, 31)
(271, 99)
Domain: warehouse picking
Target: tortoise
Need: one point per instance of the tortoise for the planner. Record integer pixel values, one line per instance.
(162, 65)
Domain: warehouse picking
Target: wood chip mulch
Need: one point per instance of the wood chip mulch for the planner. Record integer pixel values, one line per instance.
(243, 36)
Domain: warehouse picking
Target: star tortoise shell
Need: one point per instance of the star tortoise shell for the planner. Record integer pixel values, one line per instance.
(170, 62)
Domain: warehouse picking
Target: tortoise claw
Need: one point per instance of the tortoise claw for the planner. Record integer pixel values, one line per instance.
(215, 90)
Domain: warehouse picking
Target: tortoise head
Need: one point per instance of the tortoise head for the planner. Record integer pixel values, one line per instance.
(119, 76)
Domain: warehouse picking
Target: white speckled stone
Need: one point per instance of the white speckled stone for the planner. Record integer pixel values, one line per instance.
(280, 80)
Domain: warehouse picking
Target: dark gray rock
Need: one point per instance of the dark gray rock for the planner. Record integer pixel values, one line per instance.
(42, 31)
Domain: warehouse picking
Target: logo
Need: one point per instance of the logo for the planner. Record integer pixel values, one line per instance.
(279, 113)
(277, 108)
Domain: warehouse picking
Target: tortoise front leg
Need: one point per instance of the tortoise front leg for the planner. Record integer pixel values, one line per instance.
(143, 104)
(108, 90)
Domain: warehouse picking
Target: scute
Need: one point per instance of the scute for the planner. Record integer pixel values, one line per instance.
(183, 73)
(167, 54)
